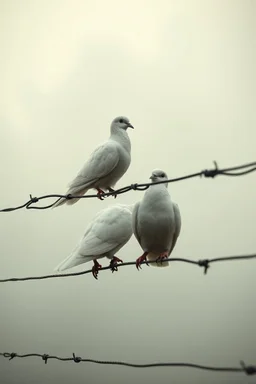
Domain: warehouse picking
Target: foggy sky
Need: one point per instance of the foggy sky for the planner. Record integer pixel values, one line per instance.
(184, 73)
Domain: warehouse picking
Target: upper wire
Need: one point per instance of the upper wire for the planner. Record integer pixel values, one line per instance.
(238, 170)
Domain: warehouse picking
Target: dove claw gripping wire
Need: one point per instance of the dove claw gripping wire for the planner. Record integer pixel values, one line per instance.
(95, 269)
(99, 194)
(162, 256)
(140, 260)
(112, 190)
(113, 264)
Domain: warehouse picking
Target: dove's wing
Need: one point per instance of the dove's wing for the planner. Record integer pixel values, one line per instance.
(135, 221)
(109, 230)
(94, 245)
(107, 233)
(75, 258)
(89, 247)
(177, 225)
(101, 162)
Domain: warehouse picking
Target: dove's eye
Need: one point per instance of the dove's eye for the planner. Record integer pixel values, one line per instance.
(121, 121)
(162, 175)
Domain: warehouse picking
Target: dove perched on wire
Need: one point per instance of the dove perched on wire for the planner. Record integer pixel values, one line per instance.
(107, 233)
(156, 222)
(106, 165)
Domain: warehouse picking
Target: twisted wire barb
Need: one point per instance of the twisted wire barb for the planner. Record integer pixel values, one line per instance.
(231, 171)
(205, 263)
(247, 369)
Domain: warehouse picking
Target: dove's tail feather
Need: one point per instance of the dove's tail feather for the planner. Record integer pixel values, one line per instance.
(152, 257)
(71, 261)
(62, 200)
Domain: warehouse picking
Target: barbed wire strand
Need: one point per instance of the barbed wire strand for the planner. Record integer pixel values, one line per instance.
(205, 263)
(231, 171)
(247, 369)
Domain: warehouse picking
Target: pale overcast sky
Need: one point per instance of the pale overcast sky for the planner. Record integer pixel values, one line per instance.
(184, 73)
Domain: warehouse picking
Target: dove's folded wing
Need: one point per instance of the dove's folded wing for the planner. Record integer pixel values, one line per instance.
(109, 230)
(89, 246)
(94, 245)
(102, 162)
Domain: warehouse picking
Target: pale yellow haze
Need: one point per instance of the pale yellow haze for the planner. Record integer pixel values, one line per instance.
(183, 72)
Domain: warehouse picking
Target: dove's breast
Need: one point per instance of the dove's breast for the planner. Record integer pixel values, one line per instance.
(124, 160)
(123, 164)
(156, 220)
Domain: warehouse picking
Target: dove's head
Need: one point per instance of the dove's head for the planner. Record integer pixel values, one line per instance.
(120, 122)
(159, 175)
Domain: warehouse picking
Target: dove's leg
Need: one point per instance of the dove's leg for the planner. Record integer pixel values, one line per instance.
(162, 256)
(95, 269)
(141, 259)
(113, 263)
(100, 192)
(112, 190)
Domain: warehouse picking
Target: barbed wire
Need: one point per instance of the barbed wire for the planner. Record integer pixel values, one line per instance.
(205, 263)
(231, 171)
(247, 369)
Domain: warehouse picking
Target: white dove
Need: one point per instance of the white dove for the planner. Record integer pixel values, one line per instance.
(108, 232)
(106, 165)
(156, 222)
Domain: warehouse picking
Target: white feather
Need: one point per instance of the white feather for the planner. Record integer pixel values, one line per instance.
(107, 233)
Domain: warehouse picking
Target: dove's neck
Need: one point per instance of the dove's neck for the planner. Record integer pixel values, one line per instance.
(122, 138)
(158, 189)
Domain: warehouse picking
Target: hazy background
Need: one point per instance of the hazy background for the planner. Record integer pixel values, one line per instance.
(184, 74)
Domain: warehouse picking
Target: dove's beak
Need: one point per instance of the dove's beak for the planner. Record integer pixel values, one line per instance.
(129, 125)
(151, 177)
